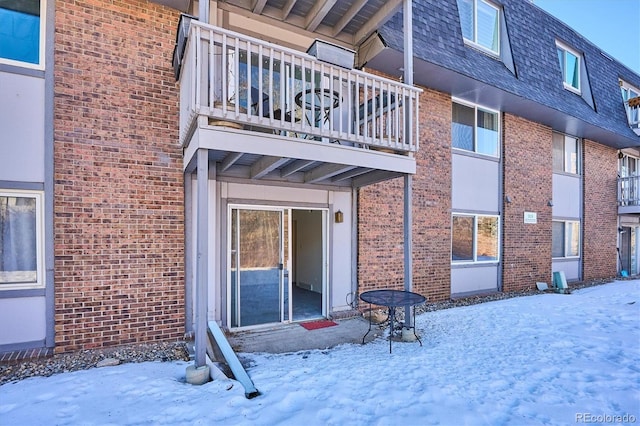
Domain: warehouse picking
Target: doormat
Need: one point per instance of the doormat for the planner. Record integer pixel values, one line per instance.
(314, 325)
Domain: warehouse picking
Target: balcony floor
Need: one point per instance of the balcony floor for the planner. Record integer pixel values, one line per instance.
(264, 156)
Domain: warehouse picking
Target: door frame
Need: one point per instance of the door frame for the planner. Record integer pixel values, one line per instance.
(286, 317)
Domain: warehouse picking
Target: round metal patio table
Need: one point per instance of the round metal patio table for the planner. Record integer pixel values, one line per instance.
(392, 299)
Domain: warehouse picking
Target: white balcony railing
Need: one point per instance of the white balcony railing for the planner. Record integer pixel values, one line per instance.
(261, 86)
(629, 191)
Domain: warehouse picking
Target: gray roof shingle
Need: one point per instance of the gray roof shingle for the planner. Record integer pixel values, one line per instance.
(532, 34)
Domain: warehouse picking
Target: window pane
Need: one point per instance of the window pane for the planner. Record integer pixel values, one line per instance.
(557, 239)
(18, 252)
(487, 239)
(488, 22)
(462, 243)
(573, 238)
(571, 155)
(558, 152)
(465, 9)
(487, 133)
(462, 123)
(572, 76)
(20, 31)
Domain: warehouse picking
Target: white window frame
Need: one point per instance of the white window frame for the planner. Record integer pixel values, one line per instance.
(41, 57)
(474, 42)
(567, 243)
(475, 128)
(564, 155)
(475, 260)
(563, 69)
(40, 282)
(625, 90)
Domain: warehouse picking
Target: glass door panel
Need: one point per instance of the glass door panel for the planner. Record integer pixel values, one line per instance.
(256, 267)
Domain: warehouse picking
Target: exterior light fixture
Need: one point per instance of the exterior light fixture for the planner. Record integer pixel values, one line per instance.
(339, 216)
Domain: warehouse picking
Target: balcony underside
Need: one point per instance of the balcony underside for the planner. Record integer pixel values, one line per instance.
(251, 155)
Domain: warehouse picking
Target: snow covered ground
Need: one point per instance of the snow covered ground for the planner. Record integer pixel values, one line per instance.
(544, 359)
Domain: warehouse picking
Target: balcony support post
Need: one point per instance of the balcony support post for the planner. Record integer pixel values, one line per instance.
(202, 255)
(408, 179)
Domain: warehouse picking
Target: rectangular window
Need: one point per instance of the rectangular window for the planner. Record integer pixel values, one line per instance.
(630, 92)
(565, 154)
(570, 66)
(480, 22)
(20, 240)
(475, 238)
(22, 32)
(565, 241)
(475, 129)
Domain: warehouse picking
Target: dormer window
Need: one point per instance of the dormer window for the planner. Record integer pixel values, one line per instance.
(631, 99)
(480, 22)
(570, 64)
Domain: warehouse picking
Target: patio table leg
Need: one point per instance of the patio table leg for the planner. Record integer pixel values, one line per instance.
(363, 337)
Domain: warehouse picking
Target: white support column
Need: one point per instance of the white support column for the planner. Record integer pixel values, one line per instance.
(203, 11)
(408, 243)
(202, 255)
(408, 179)
(188, 254)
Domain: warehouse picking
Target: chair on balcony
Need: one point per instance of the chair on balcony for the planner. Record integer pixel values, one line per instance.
(255, 102)
(374, 105)
(375, 108)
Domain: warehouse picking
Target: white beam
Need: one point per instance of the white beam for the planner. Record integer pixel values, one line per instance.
(347, 17)
(294, 167)
(286, 10)
(317, 14)
(258, 6)
(325, 171)
(230, 160)
(266, 165)
(351, 174)
(376, 21)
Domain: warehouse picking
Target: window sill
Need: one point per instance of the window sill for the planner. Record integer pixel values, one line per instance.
(462, 264)
(565, 259)
(491, 53)
(572, 89)
(475, 154)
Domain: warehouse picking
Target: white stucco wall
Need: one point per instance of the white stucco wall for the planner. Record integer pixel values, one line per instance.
(22, 320)
(566, 196)
(475, 183)
(468, 279)
(21, 128)
(570, 267)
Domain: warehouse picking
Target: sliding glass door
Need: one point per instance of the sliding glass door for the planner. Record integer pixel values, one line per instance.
(256, 266)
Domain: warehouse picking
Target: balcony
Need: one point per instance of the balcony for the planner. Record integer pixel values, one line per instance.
(266, 111)
(629, 195)
(632, 106)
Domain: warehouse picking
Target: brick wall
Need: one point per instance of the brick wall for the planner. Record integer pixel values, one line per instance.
(380, 210)
(600, 211)
(527, 180)
(119, 235)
